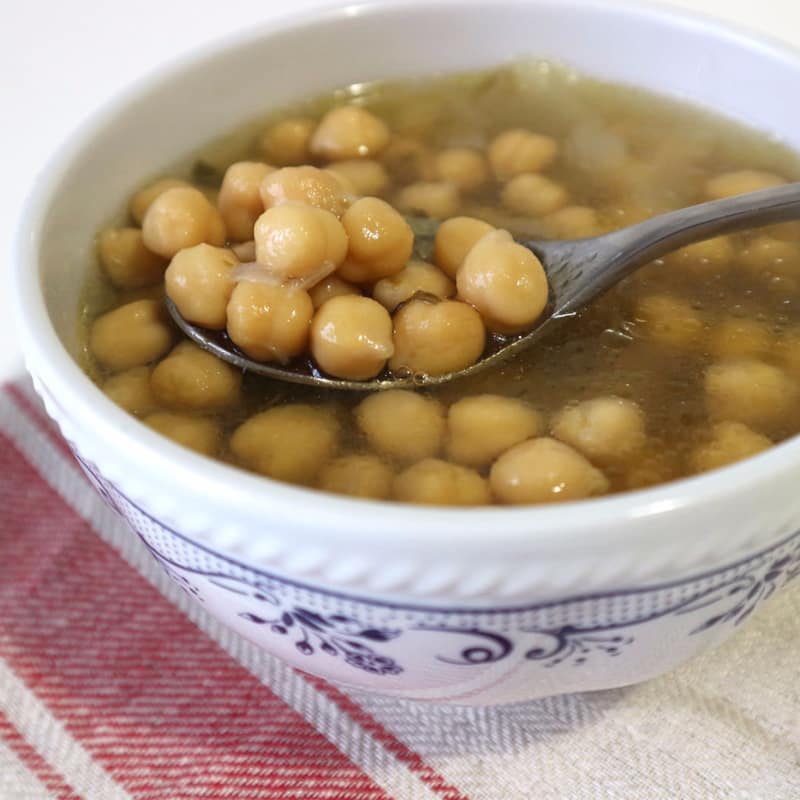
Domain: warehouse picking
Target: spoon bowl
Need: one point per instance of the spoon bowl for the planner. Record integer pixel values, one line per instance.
(578, 271)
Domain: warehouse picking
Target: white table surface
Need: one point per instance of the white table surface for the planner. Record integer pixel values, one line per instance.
(59, 61)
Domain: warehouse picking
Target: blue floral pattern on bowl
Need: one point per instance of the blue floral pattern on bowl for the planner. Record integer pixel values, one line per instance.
(458, 654)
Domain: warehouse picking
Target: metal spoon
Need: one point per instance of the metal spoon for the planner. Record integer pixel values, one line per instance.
(578, 271)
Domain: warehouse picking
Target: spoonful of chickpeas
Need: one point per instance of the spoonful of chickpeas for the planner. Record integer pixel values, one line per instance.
(327, 285)
(330, 294)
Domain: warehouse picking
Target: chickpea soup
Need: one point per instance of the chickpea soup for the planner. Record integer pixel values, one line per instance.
(291, 237)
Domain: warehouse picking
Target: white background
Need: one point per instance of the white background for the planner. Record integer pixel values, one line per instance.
(60, 60)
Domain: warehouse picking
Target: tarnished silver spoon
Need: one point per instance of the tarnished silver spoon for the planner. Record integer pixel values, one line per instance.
(578, 271)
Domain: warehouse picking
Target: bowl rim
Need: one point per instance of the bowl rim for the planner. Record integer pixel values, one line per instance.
(403, 525)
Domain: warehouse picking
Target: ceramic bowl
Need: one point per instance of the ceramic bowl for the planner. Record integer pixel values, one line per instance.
(481, 606)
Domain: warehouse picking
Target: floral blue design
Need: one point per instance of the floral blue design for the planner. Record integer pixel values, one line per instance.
(335, 634)
(724, 596)
(485, 647)
(571, 644)
(553, 647)
(576, 644)
(748, 592)
(339, 635)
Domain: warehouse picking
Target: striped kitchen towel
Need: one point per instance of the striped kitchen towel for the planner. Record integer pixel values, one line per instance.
(114, 684)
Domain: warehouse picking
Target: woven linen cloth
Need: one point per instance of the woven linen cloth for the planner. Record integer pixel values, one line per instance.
(115, 684)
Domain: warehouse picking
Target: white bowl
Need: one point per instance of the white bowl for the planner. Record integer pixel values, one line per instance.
(480, 606)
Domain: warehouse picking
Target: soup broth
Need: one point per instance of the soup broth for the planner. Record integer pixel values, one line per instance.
(690, 364)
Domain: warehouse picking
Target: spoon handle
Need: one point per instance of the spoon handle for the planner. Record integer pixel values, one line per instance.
(594, 265)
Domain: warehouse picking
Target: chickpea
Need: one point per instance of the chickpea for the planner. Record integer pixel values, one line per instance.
(746, 180)
(126, 261)
(144, 198)
(455, 237)
(669, 321)
(269, 323)
(200, 434)
(436, 338)
(239, 200)
(367, 177)
(438, 483)
(416, 276)
(709, 256)
(358, 476)
(402, 425)
(299, 241)
(289, 443)
(482, 427)
(740, 338)
(533, 195)
(730, 442)
(765, 256)
(309, 185)
(381, 241)
(131, 390)
(544, 471)
(516, 151)
(131, 335)
(351, 337)
(504, 281)
(750, 391)
(199, 280)
(435, 199)
(179, 218)
(286, 142)
(607, 430)
(572, 222)
(463, 167)
(191, 379)
(331, 287)
(349, 132)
